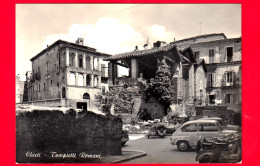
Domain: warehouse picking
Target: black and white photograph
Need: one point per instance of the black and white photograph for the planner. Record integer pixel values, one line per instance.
(128, 83)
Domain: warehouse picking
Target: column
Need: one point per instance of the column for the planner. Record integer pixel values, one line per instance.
(84, 61)
(76, 60)
(67, 57)
(99, 81)
(134, 68)
(99, 64)
(91, 62)
(84, 79)
(68, 77)
(92, 80)
(76, 78)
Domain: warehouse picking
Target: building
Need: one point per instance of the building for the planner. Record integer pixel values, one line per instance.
(222, 57)
(19, 89)
(187, 76)
(67, 74)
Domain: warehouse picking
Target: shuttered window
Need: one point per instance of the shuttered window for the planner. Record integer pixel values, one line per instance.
(211, 56)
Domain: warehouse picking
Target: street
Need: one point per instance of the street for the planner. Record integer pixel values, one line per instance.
(159, 150)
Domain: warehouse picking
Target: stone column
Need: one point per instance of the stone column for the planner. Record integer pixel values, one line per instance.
(134, 68)
(92, 80)
(68, 77)
(99, 64)
(91, 62)
(67, 57)
(84, 79)
(99, 81)
(76, 60)
(76, 78)
(84, 61)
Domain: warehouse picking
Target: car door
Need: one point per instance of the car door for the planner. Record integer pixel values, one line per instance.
(208, 130)
(189, 133)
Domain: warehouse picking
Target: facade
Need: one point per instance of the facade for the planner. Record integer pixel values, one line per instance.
(222, 57)
(142, 64)
(67, 74)
(19, 90)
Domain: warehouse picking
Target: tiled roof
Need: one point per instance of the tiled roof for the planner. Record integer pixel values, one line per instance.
(142, 53)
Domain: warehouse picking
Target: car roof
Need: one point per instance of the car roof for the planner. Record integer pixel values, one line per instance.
(201, 121)
(212, 118)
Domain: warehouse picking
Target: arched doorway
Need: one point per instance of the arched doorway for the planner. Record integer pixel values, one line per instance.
(63, 94)
(86, 96)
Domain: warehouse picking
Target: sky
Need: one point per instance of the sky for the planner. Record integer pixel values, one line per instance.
(117, 28)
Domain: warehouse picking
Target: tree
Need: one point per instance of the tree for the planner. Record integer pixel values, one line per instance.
(122, 98)
(160, 86)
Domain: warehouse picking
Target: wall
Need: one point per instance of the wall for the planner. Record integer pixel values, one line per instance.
(75, 94)
(200, 84)
(219, 47)
(54, 131)
(154, 108)
(19, 90)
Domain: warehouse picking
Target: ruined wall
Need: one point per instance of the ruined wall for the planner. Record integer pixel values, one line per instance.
(45, 132)
(154, 108)
(200, 85)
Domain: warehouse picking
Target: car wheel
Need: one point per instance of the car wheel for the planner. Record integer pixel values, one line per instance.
(205, 159)
(183, 146)
(148, 136)
(123, 143)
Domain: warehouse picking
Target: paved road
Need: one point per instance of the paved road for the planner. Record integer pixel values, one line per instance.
(159, 150)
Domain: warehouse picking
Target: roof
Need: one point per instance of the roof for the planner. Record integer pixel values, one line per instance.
(199, 36)
(201, 121)
(66, 43)
(140, 53)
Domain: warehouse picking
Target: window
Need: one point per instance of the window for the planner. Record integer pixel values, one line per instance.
(229, 98)
(212, 99)
(189, 128)
(43, 86)
(207, 127)
(80, 61)
(230, 78)
(39, 87)
(211, 80)
(229, 53)
(211, 56)
(197, 54)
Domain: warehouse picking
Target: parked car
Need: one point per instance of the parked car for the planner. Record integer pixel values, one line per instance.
(125, 137)
(157, 129)
(223, 123)
(188, 133)
(219, 149)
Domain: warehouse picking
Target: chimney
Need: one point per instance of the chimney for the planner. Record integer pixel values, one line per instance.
(80, 41)
(174, 39)
(136, 48)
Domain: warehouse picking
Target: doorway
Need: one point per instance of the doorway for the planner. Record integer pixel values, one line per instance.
(82, 105)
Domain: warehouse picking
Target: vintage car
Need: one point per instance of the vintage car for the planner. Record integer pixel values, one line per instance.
(223, 123)
(125, 137)
(157, 129)
(188, 133)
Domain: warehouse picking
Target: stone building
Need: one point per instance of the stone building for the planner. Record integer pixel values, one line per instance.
(222, 58)
(19, 90)
(67, 74)
(142, 64)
